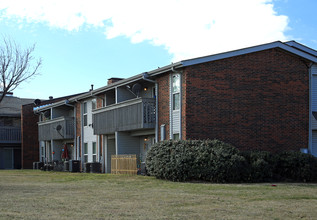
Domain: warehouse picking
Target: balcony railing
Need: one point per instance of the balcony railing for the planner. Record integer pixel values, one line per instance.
(10, 135)
(56, 129)
(133, 114)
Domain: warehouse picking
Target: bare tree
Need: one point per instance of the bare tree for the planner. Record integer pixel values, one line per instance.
(16, 65)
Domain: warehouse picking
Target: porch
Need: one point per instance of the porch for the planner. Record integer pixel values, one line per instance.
(56, 129)
(10, 135)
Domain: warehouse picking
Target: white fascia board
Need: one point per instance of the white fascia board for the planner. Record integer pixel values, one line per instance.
(48, 106)
(302, 47)
(248, 50)
(128, 80)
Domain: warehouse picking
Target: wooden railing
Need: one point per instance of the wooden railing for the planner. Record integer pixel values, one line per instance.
(124, 164)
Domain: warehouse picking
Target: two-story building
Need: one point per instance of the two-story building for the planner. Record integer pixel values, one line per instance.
(260, 98)
(10, 131)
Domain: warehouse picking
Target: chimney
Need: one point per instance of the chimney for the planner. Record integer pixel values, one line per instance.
(92, 87)
(113, 80)
(51, 97)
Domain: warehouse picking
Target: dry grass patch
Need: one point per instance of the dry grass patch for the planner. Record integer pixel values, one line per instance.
(32, 194)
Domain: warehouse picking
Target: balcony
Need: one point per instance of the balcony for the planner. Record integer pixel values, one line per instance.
(129, 115)
(10, 135)
(56, 129)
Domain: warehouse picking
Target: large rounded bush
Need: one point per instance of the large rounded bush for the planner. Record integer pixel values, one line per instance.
(208, 160)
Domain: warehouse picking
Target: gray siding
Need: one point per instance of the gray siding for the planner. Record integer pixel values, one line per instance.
(130, 115)
(48, 131)
(176, 122)
(314, 144)
(62, 111)
(123, 94)
(111, 150)
(127, 144)
(314, 95)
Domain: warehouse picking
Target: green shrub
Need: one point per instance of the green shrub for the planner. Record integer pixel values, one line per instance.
(261, 166)
(296, 166)
(208, 160)
(219, 162)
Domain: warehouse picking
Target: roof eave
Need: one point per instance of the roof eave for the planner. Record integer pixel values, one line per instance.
(276, 44)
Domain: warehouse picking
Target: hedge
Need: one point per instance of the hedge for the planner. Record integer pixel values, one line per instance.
(219, 162)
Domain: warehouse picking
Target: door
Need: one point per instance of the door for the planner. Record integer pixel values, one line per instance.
(6, 158)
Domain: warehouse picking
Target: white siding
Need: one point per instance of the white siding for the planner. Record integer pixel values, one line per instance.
(176, 122)
(88, 136)
(314, 144)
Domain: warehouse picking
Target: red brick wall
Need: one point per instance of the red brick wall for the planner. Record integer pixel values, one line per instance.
(183, 100)
(29, 133)
(163, 103)
(254, 101)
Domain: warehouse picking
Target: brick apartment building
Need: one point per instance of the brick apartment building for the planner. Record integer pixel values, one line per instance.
(10, 131)
(262, 98)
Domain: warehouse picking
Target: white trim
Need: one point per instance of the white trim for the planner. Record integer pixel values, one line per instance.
(301, 47)
(180, 104)
(248, 50)
(171, 105)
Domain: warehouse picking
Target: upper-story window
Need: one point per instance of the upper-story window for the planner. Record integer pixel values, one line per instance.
(94, 104)
(85, 115)
(176, 91)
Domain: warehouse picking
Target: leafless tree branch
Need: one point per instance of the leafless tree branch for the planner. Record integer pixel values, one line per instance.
(16, 65)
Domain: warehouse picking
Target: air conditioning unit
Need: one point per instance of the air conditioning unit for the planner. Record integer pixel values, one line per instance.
(74, 166)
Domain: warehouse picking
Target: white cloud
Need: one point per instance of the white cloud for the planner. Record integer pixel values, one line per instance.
(186, 28)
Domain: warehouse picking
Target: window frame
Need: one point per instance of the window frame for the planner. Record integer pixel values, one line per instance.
(85, 153)
(85, 114)
(176, 92)
(94, 152)
(94, 104)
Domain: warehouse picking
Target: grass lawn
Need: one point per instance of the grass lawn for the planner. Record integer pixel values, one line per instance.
(28, 194)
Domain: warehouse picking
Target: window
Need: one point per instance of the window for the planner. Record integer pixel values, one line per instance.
(94, 152)
(176, 91)
(85, 115)
(175, 136)
(93, 104)
(85, 152)
(42, 154)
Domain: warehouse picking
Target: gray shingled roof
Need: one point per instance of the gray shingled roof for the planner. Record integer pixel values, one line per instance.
(11, 105)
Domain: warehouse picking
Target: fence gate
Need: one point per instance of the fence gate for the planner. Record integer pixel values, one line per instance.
(124, 164)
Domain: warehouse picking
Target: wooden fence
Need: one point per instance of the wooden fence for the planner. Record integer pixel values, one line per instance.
(124, 164)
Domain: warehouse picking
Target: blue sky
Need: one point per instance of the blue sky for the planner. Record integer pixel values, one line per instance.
(86, 42)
